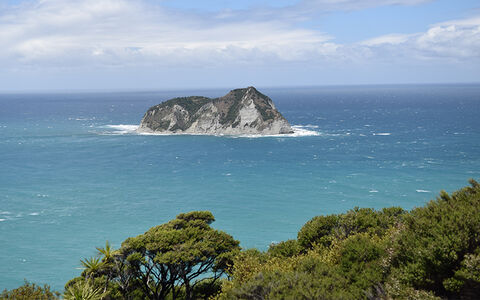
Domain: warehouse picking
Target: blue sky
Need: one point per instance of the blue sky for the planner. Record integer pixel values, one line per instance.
(163, 44)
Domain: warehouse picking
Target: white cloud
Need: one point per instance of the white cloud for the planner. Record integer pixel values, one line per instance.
(456, 39)
(452, 40)
(392, 39)
(53, 32)
(110, 33)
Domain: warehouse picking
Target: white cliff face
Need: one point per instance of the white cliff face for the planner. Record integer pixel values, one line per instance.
(248, 113)
(243, 111)
(207, 120)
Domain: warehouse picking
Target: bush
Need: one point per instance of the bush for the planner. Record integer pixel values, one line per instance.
(288, 248)
(30, 291)
(435, 247)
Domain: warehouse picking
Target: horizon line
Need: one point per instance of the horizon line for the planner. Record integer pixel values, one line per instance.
(193, 88)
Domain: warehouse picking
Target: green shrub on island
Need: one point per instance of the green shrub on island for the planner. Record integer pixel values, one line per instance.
(431, 252)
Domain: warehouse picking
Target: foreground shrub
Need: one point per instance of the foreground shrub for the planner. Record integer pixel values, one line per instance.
(438, 250)
(30, 291)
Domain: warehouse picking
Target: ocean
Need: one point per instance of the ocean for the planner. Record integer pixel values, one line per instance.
(74, 174)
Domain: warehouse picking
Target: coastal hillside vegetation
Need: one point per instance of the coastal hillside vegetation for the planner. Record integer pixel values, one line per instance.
(430, 252)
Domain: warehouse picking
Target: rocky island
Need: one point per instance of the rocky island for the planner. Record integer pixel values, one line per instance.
(241, 111)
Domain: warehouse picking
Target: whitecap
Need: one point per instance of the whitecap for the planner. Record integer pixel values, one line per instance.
(2, 220)
(121, 129)
(298, 131)
(34, 214)
(382, 133)
(373, 191)
(423, 191)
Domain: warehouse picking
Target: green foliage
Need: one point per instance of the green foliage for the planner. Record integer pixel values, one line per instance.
(91, 265)
(166, 261)
(319, 230)
(179, 252)
(30, 291)
(256, 275)
(285, 249)
(322, 230)
(320, 283)
(359, 261)
(106, 252)
(232, 114)
(83, 290)
(393, 289)
(207, 288)
(437, 239)
(191, 104)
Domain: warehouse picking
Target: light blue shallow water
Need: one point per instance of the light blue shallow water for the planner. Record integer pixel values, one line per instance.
(68, 181)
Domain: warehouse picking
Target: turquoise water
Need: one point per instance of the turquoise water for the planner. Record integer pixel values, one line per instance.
(71, 177)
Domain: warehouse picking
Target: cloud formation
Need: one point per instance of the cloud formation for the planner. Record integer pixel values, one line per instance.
(452, 40)
(67, 34)
(124, 32)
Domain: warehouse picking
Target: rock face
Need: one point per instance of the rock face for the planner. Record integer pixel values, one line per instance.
(241, 111)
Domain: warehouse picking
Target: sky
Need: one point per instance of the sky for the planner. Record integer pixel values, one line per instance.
(181, 44)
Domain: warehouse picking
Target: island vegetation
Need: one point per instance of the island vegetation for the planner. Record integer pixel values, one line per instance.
(430, 252)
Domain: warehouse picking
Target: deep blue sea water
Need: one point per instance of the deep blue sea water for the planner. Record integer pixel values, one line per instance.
(71, 178)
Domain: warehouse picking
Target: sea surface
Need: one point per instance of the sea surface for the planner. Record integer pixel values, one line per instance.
(74, 174)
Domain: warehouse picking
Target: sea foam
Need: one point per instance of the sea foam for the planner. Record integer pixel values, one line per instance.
(121, 129)
(422, 191)
(298, 131)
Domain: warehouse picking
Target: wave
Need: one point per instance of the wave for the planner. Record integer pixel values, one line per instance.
(304, 130)
(307, 126)
(422, 191)
(120, 129)
(382, 133)
(298, 131)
